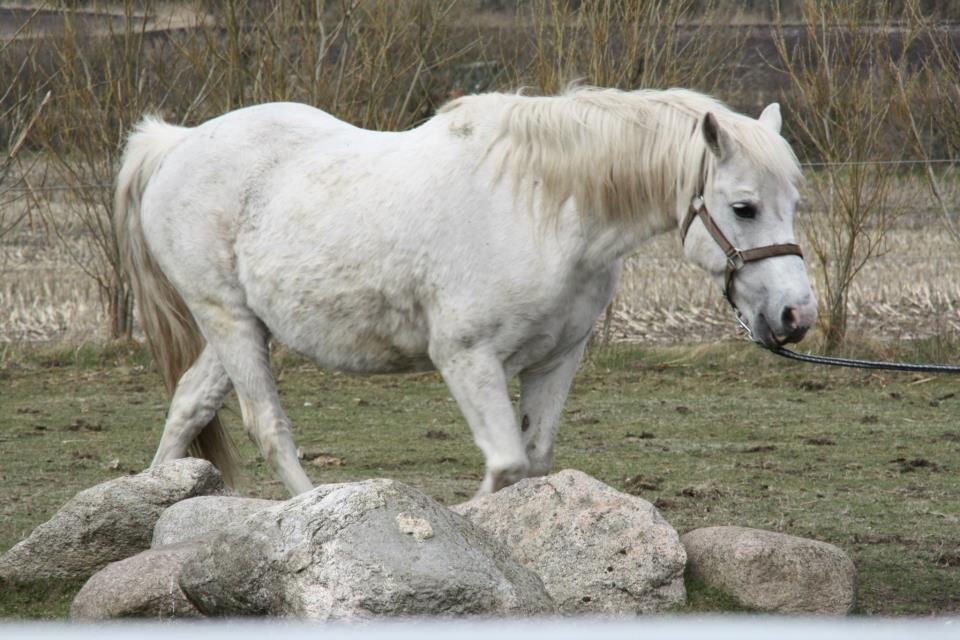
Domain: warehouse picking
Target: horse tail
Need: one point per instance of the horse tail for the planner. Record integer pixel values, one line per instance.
(171, 331)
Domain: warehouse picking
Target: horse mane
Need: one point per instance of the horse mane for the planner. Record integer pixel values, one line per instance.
(621, 155)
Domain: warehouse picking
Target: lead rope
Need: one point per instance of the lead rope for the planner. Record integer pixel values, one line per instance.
(860, 364)
(850, 363)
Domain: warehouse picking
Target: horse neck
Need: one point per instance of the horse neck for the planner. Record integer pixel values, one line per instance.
(625, 180)
(613, 239)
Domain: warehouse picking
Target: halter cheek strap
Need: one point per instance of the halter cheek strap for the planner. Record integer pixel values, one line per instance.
(735, 257)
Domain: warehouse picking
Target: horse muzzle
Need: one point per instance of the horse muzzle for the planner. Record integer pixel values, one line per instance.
(790, 326)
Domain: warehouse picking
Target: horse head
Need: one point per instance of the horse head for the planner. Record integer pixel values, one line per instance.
(740, 225)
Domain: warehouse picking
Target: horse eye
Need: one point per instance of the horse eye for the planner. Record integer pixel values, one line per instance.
(745, 210)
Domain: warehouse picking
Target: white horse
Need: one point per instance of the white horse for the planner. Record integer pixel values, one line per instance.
(484, 243)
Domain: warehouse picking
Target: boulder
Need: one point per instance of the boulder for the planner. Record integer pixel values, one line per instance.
(357, 550)
(143, 586)
(771, 571)
(108, 522)
(597, 550)
(197, 517)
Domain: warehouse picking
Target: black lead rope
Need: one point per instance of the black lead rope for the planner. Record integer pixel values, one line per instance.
(863, 364)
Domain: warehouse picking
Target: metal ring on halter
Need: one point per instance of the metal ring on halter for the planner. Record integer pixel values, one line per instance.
(739, 316)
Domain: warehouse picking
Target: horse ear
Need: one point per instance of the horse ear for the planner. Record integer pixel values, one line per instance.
(770, 116)
(717, 139)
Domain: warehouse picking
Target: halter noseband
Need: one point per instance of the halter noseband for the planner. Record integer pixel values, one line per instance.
(735, 257)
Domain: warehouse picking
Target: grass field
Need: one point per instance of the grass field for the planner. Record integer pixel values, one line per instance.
(712, 435)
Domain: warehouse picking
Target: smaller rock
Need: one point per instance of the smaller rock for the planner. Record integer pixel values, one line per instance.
(596, 549)
(772, 571)
(145, 586)
(107, 522)
(194, 518)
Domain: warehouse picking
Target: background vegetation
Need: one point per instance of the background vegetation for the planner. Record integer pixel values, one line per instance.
(864, 85)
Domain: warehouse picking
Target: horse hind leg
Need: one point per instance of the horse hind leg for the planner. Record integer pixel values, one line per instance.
(241, 344)
(198, 397)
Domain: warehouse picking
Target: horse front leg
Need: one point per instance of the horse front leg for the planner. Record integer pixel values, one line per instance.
(477, 381)
(543, 391)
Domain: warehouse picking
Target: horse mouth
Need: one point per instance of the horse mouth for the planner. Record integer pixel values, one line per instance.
(765, 335)
(771, 339)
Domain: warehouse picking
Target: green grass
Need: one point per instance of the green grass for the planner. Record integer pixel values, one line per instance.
(724, 435)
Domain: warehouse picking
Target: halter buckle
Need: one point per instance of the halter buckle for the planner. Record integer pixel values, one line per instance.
(735, 260)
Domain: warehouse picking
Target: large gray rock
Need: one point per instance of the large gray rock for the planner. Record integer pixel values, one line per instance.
(772, 571)
(108, 522)
(143, 586)
(596, 549)
(195, 518)
(358, 550)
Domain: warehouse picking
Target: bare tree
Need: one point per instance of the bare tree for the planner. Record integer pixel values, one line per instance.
(840, 113)
(19, 111)
(639, 44)
(929, 102)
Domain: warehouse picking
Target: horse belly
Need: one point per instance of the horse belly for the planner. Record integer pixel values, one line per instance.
(360, 330)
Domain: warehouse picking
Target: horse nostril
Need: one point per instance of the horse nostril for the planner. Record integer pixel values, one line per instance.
(790, 318)
(794, 327)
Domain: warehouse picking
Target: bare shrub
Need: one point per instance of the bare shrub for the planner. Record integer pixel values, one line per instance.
(383, 65)
(840, 112)
(377, 64)
(100, 93)
(19, 112)
(929, 103)
(639, 44)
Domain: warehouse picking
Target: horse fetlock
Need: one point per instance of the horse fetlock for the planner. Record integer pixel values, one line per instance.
(501, 476)
(282, 458)
(540, 466)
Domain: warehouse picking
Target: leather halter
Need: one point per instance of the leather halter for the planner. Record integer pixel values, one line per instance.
(736, 258)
